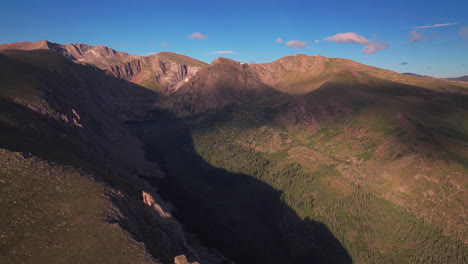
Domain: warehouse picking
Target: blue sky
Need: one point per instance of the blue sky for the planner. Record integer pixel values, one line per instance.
(424, 37)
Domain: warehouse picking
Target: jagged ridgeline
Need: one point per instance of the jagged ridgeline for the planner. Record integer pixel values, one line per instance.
(118, 158)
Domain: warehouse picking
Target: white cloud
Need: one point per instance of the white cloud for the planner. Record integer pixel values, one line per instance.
(164, 44)
(316, 41)
(223, 52)
(349, 37)
(198, 35)
(370, 47)
(279, 40)
(437, 25)
(296, 44)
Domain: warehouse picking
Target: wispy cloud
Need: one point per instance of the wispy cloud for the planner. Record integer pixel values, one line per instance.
(464, 33)
(437, 25)
(296, 44)
(416, 36)
(370, 47)
(404, 63)
(164, 44)
(279, 40)
(316, 41)
(223, 52)
(198, 35)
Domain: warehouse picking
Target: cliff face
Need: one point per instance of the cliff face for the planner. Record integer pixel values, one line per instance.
(164, 72)
(155, 72)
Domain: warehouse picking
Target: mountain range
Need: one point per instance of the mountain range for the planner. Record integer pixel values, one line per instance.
(461, 78)
(108, 156)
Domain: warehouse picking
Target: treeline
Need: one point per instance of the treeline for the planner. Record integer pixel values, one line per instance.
(372, 229)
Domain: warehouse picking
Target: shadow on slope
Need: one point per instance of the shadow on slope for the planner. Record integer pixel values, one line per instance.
(75, 120)
(237, 214)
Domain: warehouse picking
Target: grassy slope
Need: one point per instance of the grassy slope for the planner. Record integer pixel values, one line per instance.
(17, 84)
(301, 74)
(56, 214)
(51, 211)
(180, 59)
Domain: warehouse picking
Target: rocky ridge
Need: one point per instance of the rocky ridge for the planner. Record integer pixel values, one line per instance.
(164, 72)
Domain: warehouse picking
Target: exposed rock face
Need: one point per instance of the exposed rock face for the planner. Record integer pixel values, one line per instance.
(183, 260)
(164, 72)
(100, 56)
(155, 72)
(151, 221)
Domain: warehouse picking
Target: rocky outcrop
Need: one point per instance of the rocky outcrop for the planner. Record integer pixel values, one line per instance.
(150, 220)
(155, 72)
(182, 259)
(126, 70)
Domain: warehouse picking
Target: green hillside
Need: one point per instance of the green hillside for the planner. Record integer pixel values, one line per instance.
(262, 192)
(377, 158)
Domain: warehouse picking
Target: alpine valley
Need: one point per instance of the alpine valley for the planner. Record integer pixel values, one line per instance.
(108, 157)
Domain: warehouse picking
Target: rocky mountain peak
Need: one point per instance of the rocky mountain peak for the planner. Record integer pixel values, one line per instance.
(26, 45)
(222, 60)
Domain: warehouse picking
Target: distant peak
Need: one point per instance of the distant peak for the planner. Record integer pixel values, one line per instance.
(167, 53)
(300, 55)
(43, 42)
(27, 45)
(222, 60)
(302, 59)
